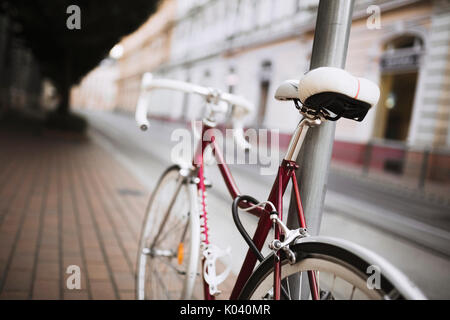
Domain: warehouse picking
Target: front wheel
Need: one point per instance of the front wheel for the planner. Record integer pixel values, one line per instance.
(344, 271)
(170, 239)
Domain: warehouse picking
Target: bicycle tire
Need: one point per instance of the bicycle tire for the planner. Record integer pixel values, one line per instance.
(162, 258)
(325, 254)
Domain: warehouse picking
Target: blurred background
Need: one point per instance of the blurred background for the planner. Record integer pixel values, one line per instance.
(77, 89)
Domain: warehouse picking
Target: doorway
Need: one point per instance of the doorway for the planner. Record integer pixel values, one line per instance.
(399, 99)
(399, 72)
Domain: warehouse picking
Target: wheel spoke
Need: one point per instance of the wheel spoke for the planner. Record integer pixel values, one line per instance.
(177, 271)
(171, 232)
(284, 293)
(289, 290)
(393, 294)
(300, 278)
(333, 284)
(167, 214)
(318, 283)
(353, 292)
(161, 283)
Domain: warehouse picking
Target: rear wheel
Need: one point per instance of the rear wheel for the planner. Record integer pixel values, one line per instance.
(341, 274)
(168, 251)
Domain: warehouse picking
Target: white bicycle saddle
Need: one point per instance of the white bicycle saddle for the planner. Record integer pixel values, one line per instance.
(334, 90)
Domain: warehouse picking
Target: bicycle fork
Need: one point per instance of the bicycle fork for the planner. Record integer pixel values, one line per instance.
(210, 252)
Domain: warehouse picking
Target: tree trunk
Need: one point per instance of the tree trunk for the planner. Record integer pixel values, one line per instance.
(65, 85)
(64, 103)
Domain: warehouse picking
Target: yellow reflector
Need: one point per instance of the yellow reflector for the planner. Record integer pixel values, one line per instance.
(180, 255)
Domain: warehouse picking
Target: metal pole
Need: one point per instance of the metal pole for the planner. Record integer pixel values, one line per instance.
(331, 36)
(424, 168)
(367, 159)
(334, 19)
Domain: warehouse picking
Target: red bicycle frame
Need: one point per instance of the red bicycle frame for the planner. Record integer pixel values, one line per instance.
(286, 173)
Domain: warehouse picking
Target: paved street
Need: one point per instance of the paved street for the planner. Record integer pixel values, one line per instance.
(64, 201)
(71, 201)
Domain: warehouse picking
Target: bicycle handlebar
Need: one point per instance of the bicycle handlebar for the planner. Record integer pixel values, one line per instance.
(241, 106)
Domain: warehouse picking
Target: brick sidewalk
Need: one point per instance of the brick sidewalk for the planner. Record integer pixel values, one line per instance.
(66, 201)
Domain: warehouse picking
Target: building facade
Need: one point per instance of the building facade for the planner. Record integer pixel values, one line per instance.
(144, 50)
(249, 47)
(98, 89)
(115, 83)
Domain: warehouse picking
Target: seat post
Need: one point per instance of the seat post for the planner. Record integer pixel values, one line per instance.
(299, 135)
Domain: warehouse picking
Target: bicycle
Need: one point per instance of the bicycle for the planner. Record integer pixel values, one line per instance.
(175, 231)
